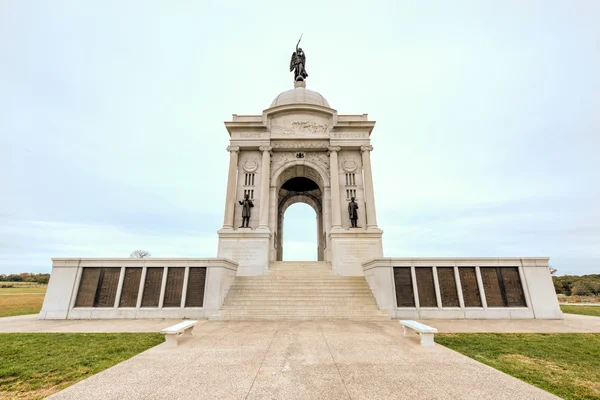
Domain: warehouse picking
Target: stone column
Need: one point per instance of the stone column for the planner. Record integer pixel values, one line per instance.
(263, 220)
(336, 221)
(369, 192)
(231, 186)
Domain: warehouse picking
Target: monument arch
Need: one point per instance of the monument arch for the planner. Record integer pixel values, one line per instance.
(299, 182)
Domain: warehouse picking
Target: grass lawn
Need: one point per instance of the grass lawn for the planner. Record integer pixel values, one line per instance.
(582, 310)
(35, 365)
(565, 364)
(21, 300)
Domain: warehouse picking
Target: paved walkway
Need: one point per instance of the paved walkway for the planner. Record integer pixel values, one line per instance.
(300, 360)
(572, 323)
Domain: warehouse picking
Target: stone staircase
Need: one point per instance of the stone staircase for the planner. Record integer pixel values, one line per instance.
(300, 291)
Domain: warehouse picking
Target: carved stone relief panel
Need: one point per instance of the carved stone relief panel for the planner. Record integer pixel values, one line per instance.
(300, 125)
(281, 158)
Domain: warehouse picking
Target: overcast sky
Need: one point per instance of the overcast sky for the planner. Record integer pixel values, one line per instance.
(487, 140)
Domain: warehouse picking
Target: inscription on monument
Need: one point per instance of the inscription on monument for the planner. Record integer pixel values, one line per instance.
(350, 135)
(470, 288)
(425, 287)
(152, 285)
(404, 288)
(448, 291)
(131, 287)
(195, 287)
(174, 287)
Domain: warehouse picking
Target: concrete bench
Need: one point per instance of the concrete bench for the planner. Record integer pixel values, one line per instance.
(182, 329)
(426, 332)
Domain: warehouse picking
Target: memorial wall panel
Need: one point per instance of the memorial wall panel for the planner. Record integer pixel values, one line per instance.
(425, 287)
(174, 287)
(131, 287)
(448, 291)
(513, 287)
(152, 286)
(195, 288)
(470, 289)
(492, 287)
(405, 296)
(107, 287)
(87, 287)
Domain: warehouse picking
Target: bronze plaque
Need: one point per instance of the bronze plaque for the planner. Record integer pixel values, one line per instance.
(425, 287)
(491, 287)
(470, 289)
(174, 287)
(87, 287)
(448, 290)
(405, 296)
(195, 287)
(512, 286)
(131, 287)
(107, 287)
(152, 286)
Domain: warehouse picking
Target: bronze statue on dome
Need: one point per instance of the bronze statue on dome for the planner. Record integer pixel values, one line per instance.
(298, 63)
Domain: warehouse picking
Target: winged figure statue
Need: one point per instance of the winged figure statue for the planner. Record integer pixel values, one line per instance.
(298, 63)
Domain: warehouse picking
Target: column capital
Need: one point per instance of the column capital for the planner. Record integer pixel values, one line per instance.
(232, 149)
(366, 148)
(334, 149)
(265, 148)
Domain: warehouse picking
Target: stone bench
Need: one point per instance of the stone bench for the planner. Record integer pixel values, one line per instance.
(182, 329)
(426, 332)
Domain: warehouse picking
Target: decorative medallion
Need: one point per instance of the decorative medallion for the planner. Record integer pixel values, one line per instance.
(250, 165)
(349, 165)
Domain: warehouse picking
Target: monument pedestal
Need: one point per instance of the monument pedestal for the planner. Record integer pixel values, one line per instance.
(352, 247)
(247, 247)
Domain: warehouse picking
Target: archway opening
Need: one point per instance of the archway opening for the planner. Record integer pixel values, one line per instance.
(299, 184)
(300, 239)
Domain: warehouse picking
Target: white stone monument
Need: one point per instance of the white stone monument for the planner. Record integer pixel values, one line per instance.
(300, 150)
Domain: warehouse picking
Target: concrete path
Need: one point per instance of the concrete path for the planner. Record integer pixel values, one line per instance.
(30, 323)
(572, 323)
(301, 360)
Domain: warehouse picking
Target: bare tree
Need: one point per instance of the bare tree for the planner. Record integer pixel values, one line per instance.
(140, 254)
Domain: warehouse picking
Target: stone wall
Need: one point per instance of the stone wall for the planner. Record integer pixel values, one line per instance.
(91, 288)
(480, 288)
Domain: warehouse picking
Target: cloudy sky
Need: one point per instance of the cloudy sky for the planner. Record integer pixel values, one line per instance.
(487, 140)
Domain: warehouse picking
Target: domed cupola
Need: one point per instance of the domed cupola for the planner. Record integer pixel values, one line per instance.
(300, 95)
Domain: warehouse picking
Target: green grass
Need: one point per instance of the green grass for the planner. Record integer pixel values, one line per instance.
(565, 364)
(23, 298)
(582, 310)
(35, 365)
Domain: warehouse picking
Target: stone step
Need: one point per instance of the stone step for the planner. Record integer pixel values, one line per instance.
(300, 291)
(305, 313)
(299, 318)
(297, 283)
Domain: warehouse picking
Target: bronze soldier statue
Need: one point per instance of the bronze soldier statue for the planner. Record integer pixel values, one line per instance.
(298, 63)
(352, 212)
(246, 206)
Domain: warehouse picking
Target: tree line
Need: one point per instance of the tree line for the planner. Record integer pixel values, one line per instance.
(575, 285)
(25, 277)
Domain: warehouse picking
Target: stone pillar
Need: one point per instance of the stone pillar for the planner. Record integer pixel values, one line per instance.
(369, 192)
(263, 221)
(231, 186)
(336, 221)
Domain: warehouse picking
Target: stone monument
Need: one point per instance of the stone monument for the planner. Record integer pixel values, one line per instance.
(300, 149)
